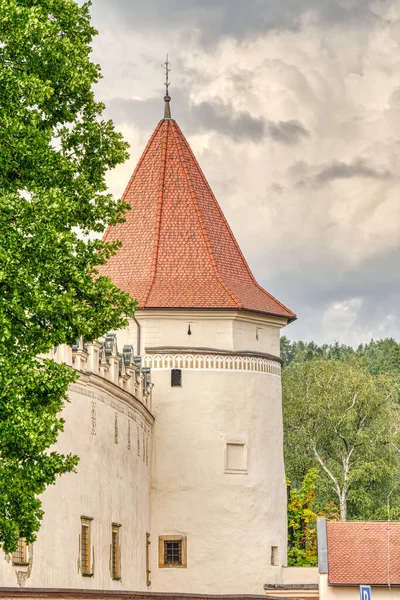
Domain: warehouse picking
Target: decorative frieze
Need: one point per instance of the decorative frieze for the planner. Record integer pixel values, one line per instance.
(213, 362)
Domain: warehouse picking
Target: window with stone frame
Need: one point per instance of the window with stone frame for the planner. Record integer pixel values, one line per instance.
(20, 556)
(85, 546)
(115, 551)
(172, 551)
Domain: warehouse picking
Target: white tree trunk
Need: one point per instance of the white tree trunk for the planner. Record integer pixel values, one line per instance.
(343, 506)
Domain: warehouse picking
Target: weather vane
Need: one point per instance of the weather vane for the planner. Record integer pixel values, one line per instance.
(167, 70)
(167, 98)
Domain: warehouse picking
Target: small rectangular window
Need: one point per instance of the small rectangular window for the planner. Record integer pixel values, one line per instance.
(172, 551)
(235, 458)
(274, 556)
(115, 552)
(86, 526)
(20, 556)
(176, 377)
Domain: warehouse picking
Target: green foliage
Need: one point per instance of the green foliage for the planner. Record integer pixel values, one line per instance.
(302, 521)
(55, 149)
(379, 355)
(343, 420)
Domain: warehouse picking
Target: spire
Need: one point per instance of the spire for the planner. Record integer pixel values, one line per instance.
(167, 97)
(177, 248)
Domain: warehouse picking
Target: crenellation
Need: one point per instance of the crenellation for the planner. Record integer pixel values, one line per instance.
(62, 354)
(101, 357)
(93, 350)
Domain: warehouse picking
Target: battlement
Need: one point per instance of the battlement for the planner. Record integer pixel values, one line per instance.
(102, 358)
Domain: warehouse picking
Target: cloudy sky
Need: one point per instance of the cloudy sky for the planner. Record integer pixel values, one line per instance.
(292, 108)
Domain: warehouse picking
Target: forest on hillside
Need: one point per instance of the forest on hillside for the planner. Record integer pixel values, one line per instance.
(341, 417)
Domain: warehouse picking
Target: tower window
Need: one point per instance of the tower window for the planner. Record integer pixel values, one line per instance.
(86, 527)
(274, 556)
(172, 551)
(115, 552)
(235, 458)
(176, 377)
(20, 556)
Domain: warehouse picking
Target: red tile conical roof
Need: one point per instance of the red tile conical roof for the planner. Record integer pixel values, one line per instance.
(178, 250)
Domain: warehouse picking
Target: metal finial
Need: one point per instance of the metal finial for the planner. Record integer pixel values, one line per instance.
(167, 98)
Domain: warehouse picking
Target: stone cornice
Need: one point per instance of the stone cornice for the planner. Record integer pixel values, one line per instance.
(211, 351)
(214, 314)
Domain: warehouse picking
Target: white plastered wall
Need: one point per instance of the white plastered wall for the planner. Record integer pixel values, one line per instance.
(112, 485)
(231, 520)
(333, 592)
(223, 330)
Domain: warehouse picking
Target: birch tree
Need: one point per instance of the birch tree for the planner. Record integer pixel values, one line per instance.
(339, 416)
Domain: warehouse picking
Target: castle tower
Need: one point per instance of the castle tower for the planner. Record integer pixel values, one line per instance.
(210, 335)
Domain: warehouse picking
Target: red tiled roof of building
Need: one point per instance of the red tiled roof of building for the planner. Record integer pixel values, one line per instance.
(178, 250)
(363, 552)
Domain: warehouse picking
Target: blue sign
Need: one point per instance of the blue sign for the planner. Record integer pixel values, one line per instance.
(365, 592)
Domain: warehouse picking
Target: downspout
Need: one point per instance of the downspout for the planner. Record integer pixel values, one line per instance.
(138, 335)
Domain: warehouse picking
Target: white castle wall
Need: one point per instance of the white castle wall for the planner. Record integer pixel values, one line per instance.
(231, 520)
(231, 394)
(112, 485)
(225, 330)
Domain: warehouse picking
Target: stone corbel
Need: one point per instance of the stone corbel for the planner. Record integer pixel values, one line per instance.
(139, 386)
(104, 368)
(79, 359)
(113, 373)
(93, 357)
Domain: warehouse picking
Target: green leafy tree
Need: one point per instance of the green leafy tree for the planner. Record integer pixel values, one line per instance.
(302, 521)
(341, 418)
(55, 149)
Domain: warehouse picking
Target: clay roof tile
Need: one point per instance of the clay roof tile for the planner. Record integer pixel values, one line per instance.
(363, 553)
(178, 250)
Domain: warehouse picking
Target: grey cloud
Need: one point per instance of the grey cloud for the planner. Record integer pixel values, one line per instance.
(222, 118)
(358, 168)
(287, 132)
(142, 113)
(225, 18)
(309, 292)
(215, 116)
(307, 176)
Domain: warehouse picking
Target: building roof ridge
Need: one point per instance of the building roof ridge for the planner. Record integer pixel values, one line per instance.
(159, 212)
(194, 201)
